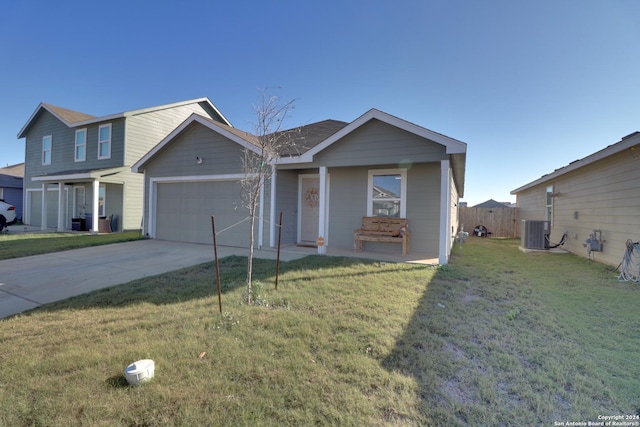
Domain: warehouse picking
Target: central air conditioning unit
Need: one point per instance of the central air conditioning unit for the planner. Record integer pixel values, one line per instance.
(535, 234)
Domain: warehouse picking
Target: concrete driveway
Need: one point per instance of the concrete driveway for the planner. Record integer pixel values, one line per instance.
(29, 282)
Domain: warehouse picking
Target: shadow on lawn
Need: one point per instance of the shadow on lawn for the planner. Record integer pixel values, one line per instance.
(423, 353)
(196, 282)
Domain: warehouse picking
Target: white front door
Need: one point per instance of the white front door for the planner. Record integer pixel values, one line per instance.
(309, 201)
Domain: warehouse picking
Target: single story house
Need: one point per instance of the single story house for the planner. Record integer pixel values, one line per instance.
(11, 182)
(337, 173)
(594, 198)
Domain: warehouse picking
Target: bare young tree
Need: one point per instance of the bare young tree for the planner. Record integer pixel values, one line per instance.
(270, 143)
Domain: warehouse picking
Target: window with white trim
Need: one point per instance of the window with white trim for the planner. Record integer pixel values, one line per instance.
(387, 193)
(81, 145)
(104, 141)
(46, 150)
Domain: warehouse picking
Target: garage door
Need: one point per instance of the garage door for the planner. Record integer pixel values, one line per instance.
(184, 210)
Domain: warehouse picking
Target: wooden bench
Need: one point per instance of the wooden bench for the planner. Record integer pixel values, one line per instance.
(382, 229)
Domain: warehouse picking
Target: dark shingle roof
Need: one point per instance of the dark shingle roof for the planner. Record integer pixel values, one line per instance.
(308, 136)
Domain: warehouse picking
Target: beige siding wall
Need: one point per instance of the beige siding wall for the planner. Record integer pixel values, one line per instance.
(602, 196)
(377, 143)
(532, 204)
(146, 130)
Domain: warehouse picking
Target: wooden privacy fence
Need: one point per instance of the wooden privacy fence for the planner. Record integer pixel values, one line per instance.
(501, 222)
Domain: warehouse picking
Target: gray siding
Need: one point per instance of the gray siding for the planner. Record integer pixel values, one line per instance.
(146, 130)
(376, 143)
(603, 196)
(287, 203)
(423, 207)
(455, 217)
(63, 148)
(184, 211)
(348, 204)
(220, 155)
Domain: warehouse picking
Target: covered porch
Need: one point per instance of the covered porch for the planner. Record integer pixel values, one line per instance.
(81, 200)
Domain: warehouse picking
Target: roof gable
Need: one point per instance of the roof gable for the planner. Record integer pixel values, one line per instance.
(452, 146)
(73, 118)
(244, 139)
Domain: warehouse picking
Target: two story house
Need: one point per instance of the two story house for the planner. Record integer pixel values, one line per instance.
(78, 166)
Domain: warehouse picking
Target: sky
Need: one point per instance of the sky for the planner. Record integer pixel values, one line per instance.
(529, 86)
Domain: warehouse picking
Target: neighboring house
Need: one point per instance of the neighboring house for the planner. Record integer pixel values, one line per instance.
(492, 204)
(78, 166)
(337, 173)
(11, 182)
(599, 192)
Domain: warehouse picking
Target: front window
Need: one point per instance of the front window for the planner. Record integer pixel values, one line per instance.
(387, 193)
(81, 145)
(550, 203)
(104, 141)
(46, 150)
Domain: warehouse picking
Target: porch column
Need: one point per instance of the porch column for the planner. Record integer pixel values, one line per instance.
(445, 213)
(61, 218)
(322, 210)
(43, 214)
(95, 217)
(272, 210)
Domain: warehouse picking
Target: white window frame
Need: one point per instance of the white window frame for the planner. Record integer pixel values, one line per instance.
(403, 189)
(82, 144)
(106, 142)
(46, 151)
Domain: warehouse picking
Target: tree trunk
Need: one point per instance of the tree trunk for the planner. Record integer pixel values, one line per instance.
(250, 260)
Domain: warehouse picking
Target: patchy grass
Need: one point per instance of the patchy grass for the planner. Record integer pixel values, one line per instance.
(495, 338)
(16, 245)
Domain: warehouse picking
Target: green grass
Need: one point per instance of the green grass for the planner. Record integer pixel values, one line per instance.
(497, 337)
(16, 244)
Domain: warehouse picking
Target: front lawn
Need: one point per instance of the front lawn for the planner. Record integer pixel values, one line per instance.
(18, 244)
(497, 337)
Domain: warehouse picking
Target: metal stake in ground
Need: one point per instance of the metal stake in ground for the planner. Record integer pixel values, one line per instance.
(215, 255)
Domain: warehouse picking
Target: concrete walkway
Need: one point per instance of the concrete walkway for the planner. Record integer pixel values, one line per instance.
(29, 282)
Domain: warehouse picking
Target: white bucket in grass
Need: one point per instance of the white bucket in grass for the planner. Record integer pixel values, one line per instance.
(140, 371)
